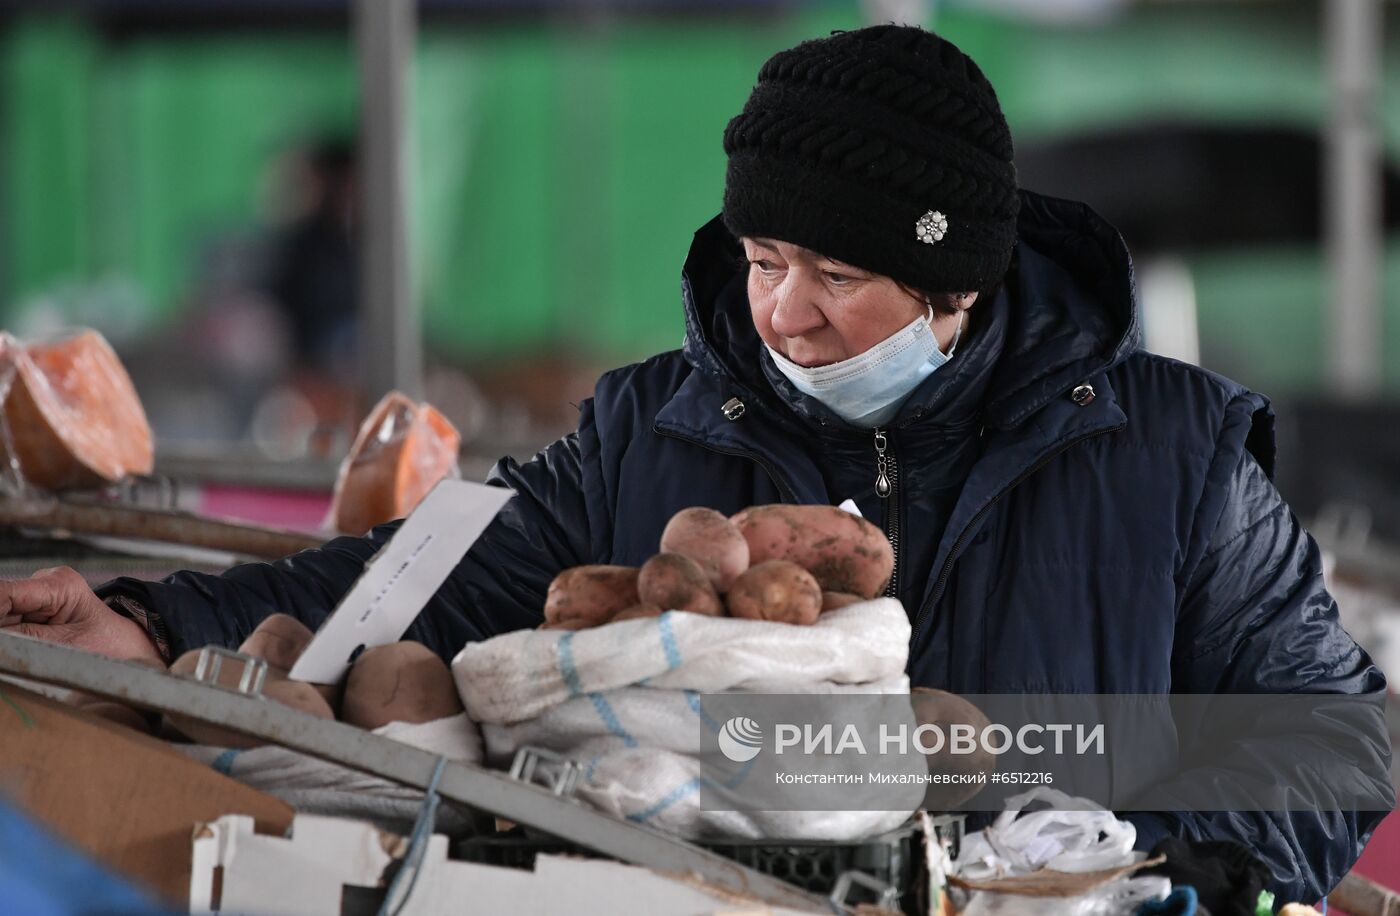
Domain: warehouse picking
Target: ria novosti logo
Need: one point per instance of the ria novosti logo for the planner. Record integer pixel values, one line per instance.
(740, 739)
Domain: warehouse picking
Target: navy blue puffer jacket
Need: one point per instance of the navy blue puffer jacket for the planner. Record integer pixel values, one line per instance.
(1125, 542)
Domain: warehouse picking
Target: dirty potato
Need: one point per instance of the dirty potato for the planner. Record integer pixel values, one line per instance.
(279, 640)
(588, 596)
(115, 711)
(944, 710)
(677, 583)
(711, 540)
(400, 682)
(776, 590)
(845, 553)
(833, 600)
(276, 687)
(638, 611)
(119, 714)
(198, 731)
(298, 695)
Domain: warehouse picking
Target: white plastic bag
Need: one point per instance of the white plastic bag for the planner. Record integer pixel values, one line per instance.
(1073, 835)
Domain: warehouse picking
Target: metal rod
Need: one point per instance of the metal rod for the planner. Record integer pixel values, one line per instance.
(114, 520)
(1353, 193)
(358, 749)
(391, 334)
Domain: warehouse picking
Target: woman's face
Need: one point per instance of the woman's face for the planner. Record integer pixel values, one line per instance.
(815, 310)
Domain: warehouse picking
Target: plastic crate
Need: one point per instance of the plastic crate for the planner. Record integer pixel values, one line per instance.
(893, 858)
(889, 858)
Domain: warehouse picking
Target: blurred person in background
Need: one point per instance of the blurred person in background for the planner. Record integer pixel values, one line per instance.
(311, 272)
(265, 346)
(310, 277)
(881, 314)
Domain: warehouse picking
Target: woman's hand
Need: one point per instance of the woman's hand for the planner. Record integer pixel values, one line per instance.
(57, 605)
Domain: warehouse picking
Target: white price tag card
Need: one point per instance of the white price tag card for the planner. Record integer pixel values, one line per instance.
(400, 579)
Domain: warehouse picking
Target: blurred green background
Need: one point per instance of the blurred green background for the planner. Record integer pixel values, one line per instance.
(562, 165)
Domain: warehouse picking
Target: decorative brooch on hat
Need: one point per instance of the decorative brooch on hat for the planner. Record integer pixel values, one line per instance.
(931, 227)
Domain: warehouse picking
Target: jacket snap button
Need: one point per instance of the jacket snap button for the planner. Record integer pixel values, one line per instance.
(733, 409)
(1083, 395)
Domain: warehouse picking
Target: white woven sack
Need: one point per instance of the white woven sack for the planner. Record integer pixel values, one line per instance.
(597, 723)
(517, 676)
(662, 789)
(623, 700)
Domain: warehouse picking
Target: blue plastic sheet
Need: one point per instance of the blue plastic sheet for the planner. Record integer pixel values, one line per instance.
(42, 876)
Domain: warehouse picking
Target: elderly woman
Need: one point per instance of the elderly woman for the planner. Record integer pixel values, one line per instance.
(881, 315)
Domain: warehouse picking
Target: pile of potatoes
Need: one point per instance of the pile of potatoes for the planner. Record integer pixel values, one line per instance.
(398, 682)
(782, 563)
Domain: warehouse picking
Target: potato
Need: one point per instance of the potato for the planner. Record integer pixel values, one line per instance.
(844, 552)
(944, 709)
(637, 611)
(711, 540)
(587, 596)
(279, 640)
(116, 711)
(119, 714)
(401, 682)
(202, 733)
(676, 583)
(776, 590)
(298, 695)
(833, 600)
(276, 687)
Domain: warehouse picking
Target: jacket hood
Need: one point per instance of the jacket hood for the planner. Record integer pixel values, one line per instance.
(1073, 310)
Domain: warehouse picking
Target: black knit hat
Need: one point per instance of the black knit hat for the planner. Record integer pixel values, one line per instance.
(884, 148)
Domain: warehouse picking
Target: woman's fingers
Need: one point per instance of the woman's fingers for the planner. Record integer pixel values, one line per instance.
(38, 599)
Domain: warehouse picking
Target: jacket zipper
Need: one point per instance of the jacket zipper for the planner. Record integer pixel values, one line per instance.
(947, 570)
(886, 487)
(768, 468)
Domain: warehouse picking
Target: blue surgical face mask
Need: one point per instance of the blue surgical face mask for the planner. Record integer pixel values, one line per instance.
(866, 390)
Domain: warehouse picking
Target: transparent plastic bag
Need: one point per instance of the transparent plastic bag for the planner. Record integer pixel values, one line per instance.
(401, 451)
(1072, 835)
(71, 417)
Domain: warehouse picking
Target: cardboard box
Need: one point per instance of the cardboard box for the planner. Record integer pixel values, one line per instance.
(314, 870)
(304, 874)
(127, 799)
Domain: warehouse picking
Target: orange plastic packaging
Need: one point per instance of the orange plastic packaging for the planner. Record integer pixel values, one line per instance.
(72, 418)
(401, 451)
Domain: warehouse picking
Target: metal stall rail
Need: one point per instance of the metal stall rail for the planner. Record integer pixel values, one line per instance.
(478, 788)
